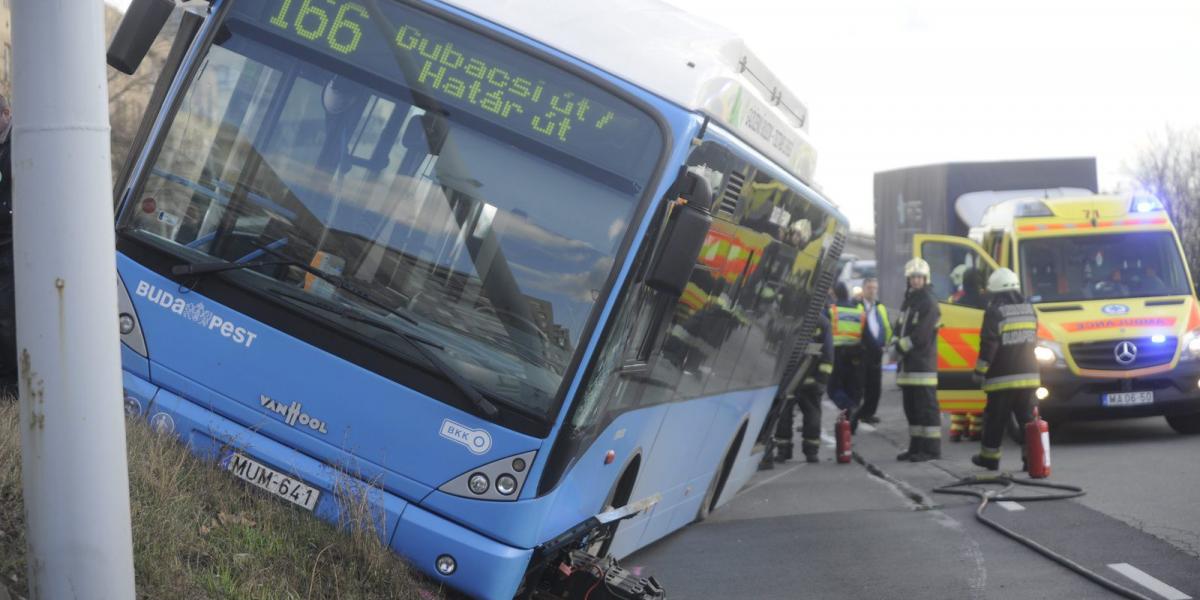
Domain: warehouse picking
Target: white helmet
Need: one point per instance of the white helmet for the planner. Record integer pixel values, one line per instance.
(1003, 280)
(916, 266)
(956, 276)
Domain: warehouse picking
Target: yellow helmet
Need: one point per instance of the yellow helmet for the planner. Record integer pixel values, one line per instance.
(916, 266)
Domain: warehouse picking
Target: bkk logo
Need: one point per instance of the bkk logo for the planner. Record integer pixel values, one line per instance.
(478, 441)
(196, 313)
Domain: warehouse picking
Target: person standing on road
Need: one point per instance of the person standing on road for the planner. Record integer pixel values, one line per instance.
(8, 304)
(917, 372)
(876, 337)
(808, 399)
(845, 388)
(1006, 367)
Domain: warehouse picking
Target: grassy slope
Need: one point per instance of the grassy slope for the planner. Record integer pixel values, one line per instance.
(198, 533)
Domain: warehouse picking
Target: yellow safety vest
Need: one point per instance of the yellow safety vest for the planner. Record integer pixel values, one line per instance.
(848, 322)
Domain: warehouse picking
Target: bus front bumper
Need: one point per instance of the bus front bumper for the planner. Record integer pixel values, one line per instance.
(1072, 397)
(483, 567)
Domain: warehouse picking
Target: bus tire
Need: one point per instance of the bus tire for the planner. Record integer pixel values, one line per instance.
(717, 484)
(1185, 424)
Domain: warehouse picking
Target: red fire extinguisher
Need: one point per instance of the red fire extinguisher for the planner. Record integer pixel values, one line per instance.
(842, 432)
(1037, 447)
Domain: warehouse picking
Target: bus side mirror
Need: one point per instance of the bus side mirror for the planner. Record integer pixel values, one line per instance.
(141, 24)
(686, 230)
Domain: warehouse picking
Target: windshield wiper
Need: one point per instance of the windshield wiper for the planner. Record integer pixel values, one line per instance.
(336, 281)
(416, 342)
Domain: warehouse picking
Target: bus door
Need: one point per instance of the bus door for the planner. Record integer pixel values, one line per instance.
(959, 270)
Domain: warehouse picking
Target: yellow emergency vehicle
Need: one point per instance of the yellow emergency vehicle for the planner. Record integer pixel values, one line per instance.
(1119, 326)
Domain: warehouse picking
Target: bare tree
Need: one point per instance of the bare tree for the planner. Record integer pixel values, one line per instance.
(128, 95)
(1170, 168)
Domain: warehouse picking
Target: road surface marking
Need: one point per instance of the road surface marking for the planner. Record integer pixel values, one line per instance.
(1009, 505)
(769, 480)
(866, 426)
(1145, 580)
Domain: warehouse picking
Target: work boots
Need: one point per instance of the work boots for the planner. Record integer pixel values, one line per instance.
(783, 451)
(907, 454)
(991, 464)
(926, 449)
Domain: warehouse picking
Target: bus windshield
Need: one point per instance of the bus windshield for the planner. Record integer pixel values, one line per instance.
(1102, 267)
(403, 177)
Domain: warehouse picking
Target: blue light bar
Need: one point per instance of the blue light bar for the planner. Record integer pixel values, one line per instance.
(1144, 203)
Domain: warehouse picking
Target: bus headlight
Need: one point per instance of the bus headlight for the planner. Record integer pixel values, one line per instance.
(500, 480)
(1190, 344)
(1048, 353)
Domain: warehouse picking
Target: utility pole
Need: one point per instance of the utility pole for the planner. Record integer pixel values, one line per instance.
(76, 480)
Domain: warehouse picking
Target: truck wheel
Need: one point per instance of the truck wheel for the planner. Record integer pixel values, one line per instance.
(1185, 424)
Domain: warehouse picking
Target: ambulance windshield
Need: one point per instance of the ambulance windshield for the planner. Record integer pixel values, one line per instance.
(1101, 267)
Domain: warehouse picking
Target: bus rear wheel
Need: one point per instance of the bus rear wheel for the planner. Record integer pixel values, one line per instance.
(1185, 424)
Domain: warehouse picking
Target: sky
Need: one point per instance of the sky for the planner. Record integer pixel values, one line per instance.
(896, 83)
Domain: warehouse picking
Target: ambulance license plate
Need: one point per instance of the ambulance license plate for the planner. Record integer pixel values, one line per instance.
(255, 473)
(1128, 399)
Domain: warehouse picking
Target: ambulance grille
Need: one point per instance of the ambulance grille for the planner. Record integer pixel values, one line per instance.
(1102, 356)
(733, 191)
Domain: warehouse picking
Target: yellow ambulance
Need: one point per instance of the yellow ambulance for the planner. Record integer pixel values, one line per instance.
(1119, 326)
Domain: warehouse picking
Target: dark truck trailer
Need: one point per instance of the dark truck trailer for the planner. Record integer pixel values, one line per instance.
(922, 200)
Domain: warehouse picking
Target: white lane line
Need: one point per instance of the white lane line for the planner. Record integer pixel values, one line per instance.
(866, 426)
(1145, 580)
(1010, 505)
(769, 480)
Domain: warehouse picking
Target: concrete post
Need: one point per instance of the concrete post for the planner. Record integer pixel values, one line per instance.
(76, 482)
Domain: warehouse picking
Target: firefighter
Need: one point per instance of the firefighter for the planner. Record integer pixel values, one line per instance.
(1006, 367)
(917, 372)
(808, 399)
(877, 335)
(846, 384)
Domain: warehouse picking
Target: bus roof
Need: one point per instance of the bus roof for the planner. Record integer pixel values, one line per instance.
(676, 55)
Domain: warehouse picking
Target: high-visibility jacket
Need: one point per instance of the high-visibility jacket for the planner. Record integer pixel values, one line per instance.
(820, 371)
(885, 323)
(917, 339)
(848, 325)
(1006, 343)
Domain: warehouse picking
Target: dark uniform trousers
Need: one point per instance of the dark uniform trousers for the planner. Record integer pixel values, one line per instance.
(808, 400)
(1019, 402)
(921, 410)
(872, 368)
(8, 316)
(846, 385)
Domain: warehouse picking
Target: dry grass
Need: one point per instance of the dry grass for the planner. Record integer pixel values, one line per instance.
(199, 533)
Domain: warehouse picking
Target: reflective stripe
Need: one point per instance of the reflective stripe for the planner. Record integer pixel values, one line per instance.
(809, 381)
(981, 366)
(917, 379)
(905, 344)
(812, 442)
(1018, 326)
(1011, 382)
(825, 368)
(914, 430)
(990, 452)
(931, 433)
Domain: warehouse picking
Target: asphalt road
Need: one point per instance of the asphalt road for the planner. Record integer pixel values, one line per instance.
(874, 529)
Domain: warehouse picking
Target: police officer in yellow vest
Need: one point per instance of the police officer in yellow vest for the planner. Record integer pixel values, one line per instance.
(845, 385)
(917, 372)
(877, 335)
(1007, 367)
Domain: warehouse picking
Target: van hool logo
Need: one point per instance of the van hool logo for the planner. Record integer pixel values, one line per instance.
(293, 414)
(196, 313)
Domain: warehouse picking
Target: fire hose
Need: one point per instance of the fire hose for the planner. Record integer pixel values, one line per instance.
(963, 487)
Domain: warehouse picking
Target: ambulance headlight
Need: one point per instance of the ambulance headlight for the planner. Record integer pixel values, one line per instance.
(1190, 345)
(1049, 353)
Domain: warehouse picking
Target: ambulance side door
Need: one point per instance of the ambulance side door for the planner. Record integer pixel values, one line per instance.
(962, 315)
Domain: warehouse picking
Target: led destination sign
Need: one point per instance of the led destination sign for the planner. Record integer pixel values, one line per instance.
(460, 69)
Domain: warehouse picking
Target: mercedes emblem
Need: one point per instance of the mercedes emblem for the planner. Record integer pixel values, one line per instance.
(1125, 353)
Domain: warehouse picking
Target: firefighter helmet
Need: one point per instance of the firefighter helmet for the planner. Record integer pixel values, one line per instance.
(916, 266)
(1003, 280)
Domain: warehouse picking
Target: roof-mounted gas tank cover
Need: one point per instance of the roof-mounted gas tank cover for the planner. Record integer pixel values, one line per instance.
(141, 24)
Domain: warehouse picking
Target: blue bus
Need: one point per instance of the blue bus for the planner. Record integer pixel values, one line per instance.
(502, 271)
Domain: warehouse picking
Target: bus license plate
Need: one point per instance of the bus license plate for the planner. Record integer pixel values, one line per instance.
(255, 473)
(1128, 399)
